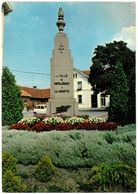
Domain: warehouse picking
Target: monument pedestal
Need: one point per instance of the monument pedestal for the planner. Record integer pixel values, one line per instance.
(66, 106)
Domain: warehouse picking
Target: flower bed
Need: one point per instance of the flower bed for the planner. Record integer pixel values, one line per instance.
(20, 126)
(53, 120)
(60, 124)
(29, 121)
(74, 120)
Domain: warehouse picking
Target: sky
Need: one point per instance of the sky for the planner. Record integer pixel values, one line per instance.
(30, 30)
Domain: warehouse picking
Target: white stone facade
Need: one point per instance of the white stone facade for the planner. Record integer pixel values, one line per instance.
(84, 94)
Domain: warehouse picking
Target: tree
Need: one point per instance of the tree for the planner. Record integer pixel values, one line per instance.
(105, 61)
(12, 104)
(118, 109)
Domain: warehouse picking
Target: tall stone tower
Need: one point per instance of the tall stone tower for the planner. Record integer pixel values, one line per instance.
(62, 88)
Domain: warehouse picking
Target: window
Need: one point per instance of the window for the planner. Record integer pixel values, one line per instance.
(79, 85)
(103, 100)
(80, 99)
(75, 75)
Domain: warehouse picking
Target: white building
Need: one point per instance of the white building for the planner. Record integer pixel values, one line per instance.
(84, 94)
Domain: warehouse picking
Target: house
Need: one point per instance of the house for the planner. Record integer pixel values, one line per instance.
(83, 93)
(34, 96)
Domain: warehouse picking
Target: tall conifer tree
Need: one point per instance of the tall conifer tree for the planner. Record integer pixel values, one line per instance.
(12, 104)
(118, 109)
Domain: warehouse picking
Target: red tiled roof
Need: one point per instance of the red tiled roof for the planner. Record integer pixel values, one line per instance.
(24, 93)
(40, 93)
(35, 93)
(87, 72)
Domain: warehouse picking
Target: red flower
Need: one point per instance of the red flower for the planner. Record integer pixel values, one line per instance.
(64, 126)
(38, 127)
(87, 126)
(20, 126)
(107, 126)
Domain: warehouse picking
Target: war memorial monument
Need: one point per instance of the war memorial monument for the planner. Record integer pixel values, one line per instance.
(62, 96)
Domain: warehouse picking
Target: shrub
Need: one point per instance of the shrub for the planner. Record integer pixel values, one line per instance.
(110, 137)
(56, 189)
(114, 175)
(45, 169)
(19, 126)
(23, 173)
(8, 162)
(12, 183)
(53, 120)
(12, 104)
(66, 148)
(86, 187)
(41, 126)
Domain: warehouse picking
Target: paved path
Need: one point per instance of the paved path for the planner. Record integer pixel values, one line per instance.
(94, 113)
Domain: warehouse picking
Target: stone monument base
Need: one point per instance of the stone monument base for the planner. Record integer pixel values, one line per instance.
(67, 106)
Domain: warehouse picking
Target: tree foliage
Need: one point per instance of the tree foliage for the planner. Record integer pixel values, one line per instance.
(118, 109)
(105, 60)
(12, 104)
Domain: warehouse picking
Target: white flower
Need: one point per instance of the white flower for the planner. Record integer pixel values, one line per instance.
(96, 120)
(31, 120)
(53, 120)
(74, 120)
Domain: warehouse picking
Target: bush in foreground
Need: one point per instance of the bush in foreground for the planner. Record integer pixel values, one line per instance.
(109, 176)
(8, 162)
(12, 183)
(45, 169)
